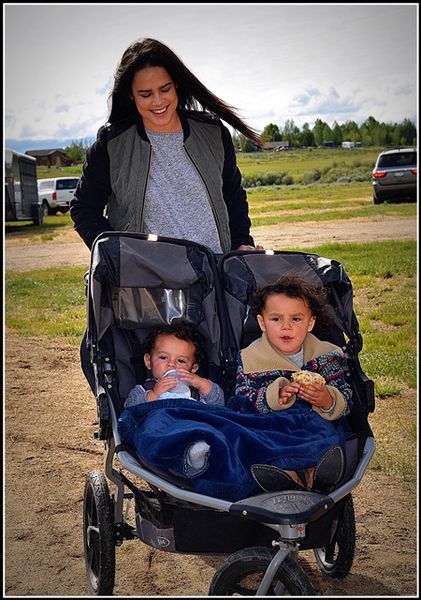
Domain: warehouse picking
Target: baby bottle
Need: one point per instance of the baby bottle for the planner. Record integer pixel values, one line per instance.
(180, 390)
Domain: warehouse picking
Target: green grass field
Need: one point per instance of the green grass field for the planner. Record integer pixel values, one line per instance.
(293, 204)
(338, 162)
(298, 161)
(269, 205)
(295, 162)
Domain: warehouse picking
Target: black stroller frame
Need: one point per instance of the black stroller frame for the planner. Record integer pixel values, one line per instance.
(136, 282)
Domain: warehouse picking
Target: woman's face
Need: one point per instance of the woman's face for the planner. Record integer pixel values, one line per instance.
(155, 96)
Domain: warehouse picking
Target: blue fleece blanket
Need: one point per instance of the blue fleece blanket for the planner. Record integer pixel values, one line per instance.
(162, 432)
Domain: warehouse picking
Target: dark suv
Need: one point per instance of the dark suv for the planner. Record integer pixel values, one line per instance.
(395, 176)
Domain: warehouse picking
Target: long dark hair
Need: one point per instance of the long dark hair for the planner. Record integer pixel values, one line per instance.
(191, 92)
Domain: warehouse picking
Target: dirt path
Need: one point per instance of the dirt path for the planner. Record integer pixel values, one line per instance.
(50, 447)
(313, 233)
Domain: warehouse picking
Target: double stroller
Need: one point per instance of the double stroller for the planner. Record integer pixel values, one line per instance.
(137, 282)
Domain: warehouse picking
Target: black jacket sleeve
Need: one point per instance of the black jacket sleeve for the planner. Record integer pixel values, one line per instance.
(235, 196)
(92, 193)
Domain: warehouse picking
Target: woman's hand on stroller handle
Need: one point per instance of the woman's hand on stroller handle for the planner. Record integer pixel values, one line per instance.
(247, 247)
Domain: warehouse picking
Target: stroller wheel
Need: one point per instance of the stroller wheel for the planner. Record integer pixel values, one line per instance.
(98, 535)
(242, 572)
(335, 560)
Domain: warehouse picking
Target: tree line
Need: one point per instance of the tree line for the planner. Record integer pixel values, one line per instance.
(369, 133)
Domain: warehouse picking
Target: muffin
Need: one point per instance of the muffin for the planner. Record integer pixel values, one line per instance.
(307, 377)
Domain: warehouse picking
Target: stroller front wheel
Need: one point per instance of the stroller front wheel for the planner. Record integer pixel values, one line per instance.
(242, 572)
(98, 535)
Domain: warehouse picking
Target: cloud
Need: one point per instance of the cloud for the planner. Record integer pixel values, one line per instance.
(387, 99)
(303, 100)
(405, 89)
(9, 119)
(328, 102)
(316, 102)
(106, 88)
(27, 131)
(52, 118)
(54, 125)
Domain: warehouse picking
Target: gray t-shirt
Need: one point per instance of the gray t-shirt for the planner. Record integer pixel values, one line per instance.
(177, 203)
(298, 357)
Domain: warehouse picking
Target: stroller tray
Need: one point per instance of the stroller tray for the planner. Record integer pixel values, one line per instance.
(284, 508)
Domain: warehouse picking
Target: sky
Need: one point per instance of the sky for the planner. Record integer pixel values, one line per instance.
(274, 62)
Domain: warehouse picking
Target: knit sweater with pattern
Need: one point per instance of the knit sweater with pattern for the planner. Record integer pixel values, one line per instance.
(263, 370)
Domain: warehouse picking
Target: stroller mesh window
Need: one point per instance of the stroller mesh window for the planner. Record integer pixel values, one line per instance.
(145, 308)
(148, 307)
(138, 310)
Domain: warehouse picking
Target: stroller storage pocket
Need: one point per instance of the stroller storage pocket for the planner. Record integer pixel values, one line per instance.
(162, 538)
(179, 527)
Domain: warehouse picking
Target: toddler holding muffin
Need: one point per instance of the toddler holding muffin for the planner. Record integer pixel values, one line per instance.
(288, 363)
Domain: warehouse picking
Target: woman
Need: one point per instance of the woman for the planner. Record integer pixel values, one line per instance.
(160, 166)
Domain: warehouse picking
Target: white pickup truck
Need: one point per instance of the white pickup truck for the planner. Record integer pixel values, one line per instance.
(55, 194)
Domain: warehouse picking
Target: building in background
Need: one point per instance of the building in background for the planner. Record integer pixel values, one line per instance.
(54, 157)
(281, 145)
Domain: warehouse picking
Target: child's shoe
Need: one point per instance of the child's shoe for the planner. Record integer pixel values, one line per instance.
(329, 470)
(274, 479)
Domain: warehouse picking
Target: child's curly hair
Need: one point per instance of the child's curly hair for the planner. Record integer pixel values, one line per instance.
(181, 330)
(293, 284)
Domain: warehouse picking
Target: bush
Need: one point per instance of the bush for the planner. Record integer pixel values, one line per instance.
(337, 172)
(287, 180)
(268, 178)
(311, 176)
(346, 175)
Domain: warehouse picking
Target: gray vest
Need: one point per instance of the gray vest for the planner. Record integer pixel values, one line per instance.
(130, 157)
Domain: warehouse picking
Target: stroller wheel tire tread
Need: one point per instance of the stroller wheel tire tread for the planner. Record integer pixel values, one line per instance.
(242, 572)
(98, 535)
(335, 560)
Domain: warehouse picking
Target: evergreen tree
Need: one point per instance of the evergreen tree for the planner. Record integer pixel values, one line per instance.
(318, 128)
(336, 134)
(408, 133)
(307, 138)
(327, 134)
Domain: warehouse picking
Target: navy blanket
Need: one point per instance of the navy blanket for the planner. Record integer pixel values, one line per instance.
(161, 433)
